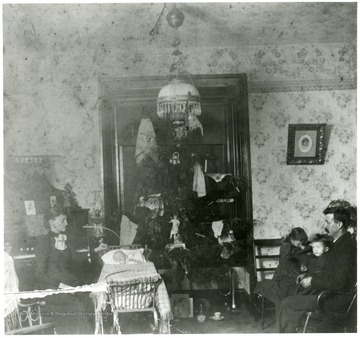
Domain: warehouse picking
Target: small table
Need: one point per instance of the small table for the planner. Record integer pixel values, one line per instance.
(129, 273)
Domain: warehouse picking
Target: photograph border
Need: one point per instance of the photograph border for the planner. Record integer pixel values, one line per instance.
(319, 157)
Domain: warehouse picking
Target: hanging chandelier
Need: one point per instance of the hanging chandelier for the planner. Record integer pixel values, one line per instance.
(179, 101)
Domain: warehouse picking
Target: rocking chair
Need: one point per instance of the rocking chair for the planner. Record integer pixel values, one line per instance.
(27, 319)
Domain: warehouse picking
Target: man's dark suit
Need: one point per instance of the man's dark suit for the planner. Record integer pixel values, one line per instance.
(339, 273)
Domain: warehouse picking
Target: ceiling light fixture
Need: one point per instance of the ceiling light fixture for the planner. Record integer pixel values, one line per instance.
(179, 101)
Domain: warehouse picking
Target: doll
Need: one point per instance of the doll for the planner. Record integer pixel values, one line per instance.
(175, 226)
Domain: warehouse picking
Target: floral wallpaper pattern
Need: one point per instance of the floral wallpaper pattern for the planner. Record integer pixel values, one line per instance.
(52, 107)
(285, 196)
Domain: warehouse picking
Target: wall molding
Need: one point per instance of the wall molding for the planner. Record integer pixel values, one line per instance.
(301, 85)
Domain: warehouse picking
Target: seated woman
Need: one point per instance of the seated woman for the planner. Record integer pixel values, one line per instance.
(53, 270)
(284, 280)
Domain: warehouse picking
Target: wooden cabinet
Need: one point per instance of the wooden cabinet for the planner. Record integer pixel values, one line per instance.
(77, 218)
(226, 135)
(78, 235)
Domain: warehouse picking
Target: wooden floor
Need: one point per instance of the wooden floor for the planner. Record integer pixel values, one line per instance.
(238, 320)
(235, 321)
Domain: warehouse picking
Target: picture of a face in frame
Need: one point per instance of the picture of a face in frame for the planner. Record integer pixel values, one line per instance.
(305, 143)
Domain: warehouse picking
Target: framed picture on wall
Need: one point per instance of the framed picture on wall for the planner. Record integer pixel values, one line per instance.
(306, 144)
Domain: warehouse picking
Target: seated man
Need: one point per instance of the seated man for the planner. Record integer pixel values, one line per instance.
(339, 272)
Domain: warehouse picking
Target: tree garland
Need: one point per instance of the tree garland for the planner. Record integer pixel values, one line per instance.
(171, 180)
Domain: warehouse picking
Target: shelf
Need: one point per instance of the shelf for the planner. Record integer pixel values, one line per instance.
(18, 257)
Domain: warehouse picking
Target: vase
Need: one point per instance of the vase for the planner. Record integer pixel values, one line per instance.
(201, 317)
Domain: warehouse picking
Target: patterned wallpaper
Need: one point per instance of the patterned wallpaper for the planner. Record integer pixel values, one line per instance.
(286, 196)
(52, 107)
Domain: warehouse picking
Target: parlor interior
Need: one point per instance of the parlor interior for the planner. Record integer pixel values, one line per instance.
(81, 119)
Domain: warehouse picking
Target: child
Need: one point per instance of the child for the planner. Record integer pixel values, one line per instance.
(119, 257)
(284, 279)
(290, 250)
(314, 263)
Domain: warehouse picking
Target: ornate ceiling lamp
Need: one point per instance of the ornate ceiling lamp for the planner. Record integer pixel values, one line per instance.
(179, 101)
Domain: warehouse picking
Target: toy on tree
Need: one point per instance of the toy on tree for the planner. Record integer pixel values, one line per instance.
(175, 227)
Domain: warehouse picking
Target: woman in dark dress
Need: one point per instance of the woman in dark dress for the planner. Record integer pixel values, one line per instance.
(284, 279)
(53, 270)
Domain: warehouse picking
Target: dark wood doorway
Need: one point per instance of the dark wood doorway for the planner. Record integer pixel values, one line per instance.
(225, 119)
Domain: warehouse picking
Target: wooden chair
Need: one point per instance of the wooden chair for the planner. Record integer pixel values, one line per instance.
(136, 296)
(261, 256)
(28, 320)
(345, 320)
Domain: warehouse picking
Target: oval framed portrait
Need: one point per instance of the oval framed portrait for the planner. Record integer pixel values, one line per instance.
(305, 143)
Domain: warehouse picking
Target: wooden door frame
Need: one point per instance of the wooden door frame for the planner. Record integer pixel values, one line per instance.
(146, 89)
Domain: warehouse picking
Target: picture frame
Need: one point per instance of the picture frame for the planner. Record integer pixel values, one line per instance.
(306, 144)
(182, 305)
(30, 208)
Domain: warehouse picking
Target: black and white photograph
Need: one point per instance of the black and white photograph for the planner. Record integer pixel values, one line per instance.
(306, 144)
(179, 167)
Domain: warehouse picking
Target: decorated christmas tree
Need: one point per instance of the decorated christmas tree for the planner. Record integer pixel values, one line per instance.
(177, 205)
